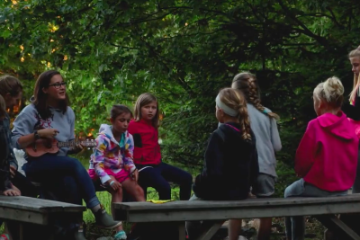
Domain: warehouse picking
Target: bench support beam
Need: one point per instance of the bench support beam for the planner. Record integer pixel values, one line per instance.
(207, 235)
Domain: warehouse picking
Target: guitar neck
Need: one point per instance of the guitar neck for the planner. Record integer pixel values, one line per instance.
(66, 144)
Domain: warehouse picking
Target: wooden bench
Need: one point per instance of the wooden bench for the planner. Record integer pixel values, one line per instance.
(34, 212)
(219, 211)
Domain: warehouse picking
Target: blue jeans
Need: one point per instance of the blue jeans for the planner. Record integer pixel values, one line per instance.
(48, 168)
(295, 226)
(157, 176)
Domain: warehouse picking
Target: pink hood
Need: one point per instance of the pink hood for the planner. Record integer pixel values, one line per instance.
(327, 154)
(337, 126)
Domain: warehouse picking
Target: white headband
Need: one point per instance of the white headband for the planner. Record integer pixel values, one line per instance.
(229, 111)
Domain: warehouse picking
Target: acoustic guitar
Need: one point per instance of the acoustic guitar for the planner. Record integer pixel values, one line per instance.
(43, 146)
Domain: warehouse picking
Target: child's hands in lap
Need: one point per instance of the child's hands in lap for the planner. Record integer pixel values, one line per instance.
(114, 185)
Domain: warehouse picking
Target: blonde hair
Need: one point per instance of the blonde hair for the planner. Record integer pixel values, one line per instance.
(11, 85)
(331, 91)
(247, 83)
(355, 53)
(235, 100)
(142, 100)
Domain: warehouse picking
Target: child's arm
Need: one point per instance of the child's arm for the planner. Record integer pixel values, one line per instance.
(305, 153)
(133, 130)
(213, 159)
(129, 150)
(275, 137)
(98, 159)
(254, 164)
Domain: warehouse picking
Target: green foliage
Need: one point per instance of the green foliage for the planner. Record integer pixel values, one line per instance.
(183, 51)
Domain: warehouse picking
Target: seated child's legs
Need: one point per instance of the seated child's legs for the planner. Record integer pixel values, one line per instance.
(195, 228)
(179, 176)
(134, 189)
(295, 226)
(234, 228)
(265, 187)
(151, 176)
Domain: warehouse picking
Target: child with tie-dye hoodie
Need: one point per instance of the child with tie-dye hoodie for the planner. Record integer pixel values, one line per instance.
(112, 160)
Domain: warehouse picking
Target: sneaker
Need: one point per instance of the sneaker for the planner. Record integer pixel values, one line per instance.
(104, 220)
(121, 235)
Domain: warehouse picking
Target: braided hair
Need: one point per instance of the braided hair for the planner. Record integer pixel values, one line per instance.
(235, 100)
(247, 83)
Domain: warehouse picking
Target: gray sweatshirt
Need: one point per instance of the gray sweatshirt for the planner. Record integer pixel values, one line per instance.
(29, 120)
(267, 139)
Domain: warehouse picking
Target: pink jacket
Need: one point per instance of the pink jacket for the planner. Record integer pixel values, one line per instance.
(328, 152)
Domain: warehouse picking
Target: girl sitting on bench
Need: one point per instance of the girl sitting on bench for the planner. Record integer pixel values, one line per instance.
(326, 158)
(50, 117)
(231, 164)
(112, 162)
(147, 157)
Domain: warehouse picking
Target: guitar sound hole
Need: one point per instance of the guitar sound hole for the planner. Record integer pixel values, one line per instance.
(48, 144)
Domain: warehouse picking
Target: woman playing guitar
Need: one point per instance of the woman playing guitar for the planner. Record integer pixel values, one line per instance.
(50, 117)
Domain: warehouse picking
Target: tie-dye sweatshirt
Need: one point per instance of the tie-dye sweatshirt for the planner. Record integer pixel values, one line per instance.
(110, 154)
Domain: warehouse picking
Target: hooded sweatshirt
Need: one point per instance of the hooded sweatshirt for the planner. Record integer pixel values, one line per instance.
(110, 154)
(327, 154)
(7, 157)
(146, 137)
(230, 167)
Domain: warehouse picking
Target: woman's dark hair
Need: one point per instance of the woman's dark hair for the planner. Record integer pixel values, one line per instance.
(8, 84)
(119, 109)
(40, 98)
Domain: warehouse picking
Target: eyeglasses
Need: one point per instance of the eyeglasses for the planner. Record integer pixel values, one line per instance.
(58, 85)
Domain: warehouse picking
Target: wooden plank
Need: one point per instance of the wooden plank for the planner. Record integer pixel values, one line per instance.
(230, 211)
(211, 231)
(351, 233)
(37, 211)
(38, 205)
(260, 202)
(42, 218)
(23, 215)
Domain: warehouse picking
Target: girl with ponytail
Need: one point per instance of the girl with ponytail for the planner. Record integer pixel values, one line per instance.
(231, 165)
(352, 107)
(326, 158)
(264, 126)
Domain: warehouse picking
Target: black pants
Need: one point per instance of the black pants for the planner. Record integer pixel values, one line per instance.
(157, 176)
(24, 185)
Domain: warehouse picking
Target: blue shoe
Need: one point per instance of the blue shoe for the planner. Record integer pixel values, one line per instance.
(121, 235)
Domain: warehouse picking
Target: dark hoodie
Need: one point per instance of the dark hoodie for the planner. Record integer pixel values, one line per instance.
(352, 111)
(327, 154)
(230, 166)
(7, 157)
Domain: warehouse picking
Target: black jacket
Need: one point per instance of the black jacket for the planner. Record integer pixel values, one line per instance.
(351, 111)
(6, 154)
(230, 168)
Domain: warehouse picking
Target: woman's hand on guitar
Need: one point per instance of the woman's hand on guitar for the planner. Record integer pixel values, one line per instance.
(49, 133)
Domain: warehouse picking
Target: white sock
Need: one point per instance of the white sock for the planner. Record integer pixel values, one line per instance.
(96, 208)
